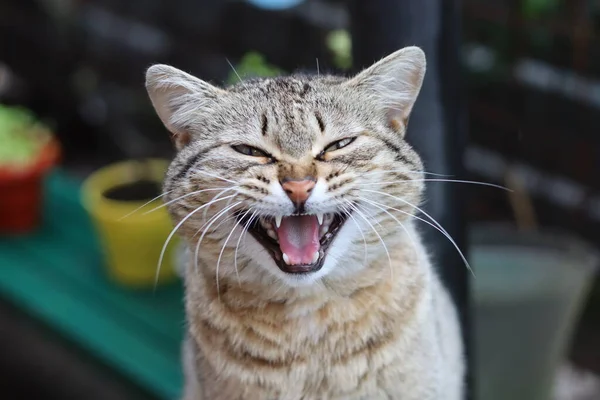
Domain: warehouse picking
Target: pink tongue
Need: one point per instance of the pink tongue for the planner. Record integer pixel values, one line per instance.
(299, 238)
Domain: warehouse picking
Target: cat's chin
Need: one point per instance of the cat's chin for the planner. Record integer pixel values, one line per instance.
(300, 280)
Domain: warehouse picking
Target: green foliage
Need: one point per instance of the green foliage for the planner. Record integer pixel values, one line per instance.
(20, 136)
(340, 44)
(538, 8)
(253, 65)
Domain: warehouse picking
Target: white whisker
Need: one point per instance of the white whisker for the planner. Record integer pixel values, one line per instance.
(164, 248)
(215, 176)
(213, 201)
(206, 225)
(144, 205)
(214, 219)
(184, 196)
(349, 214)
(223, 250)
(246, 227)
(378, 235)
(410, 236)
(435, 224)
(215, 198)
(233, 68)
(439, 180)
(371, 215)
(408, 171)
(217, 226)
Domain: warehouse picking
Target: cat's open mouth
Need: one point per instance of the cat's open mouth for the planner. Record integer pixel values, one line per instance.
(298, 243)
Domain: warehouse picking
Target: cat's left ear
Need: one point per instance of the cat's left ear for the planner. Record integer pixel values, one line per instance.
(393, 84)
(180, 100)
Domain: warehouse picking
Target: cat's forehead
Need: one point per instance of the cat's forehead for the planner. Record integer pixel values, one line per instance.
(296, 87)
(292, 110)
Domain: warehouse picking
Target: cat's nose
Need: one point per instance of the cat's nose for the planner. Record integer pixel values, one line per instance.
(298, 190)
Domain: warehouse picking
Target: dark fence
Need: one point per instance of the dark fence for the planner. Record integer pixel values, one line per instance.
(534, 106)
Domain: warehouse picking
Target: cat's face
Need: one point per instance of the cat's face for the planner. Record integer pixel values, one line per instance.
(314, 168)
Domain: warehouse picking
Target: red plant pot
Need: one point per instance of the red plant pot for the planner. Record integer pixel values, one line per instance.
(21, 191)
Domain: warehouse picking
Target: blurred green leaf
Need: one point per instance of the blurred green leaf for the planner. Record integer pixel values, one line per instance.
(253, 65)
(537, 8)
(340, 44)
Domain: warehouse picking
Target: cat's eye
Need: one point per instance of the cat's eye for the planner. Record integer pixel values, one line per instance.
(250, 151)
(339, 144)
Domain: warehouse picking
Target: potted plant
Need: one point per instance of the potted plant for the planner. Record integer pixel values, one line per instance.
(27, 151)
(123, 200)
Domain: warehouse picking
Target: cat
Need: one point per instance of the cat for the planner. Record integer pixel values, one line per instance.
(306, 276)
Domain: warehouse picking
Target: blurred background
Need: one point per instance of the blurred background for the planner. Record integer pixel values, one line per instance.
(512, 97)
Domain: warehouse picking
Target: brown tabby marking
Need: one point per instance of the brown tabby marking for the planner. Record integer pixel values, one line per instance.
(367, 318)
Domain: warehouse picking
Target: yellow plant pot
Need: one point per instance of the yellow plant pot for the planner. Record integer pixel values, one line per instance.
(132, 240)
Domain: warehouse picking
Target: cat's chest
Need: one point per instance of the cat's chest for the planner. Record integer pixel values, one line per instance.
(316, 364)
(328, 349)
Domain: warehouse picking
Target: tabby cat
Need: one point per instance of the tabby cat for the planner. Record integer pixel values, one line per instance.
(307, 279)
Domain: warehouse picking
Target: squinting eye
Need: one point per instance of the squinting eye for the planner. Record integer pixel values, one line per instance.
(339, 144)
(249, 151)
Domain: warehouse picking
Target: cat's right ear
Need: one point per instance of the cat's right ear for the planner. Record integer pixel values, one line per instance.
(180, 99)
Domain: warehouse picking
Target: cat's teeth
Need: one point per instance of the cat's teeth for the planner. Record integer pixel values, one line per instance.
(315, 257)
(323, 230)
(266, 224)
(272, 234)
(320, 218)
(278, 220)
(286, 259)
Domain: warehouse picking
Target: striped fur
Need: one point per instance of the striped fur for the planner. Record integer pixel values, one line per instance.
(374, 322)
